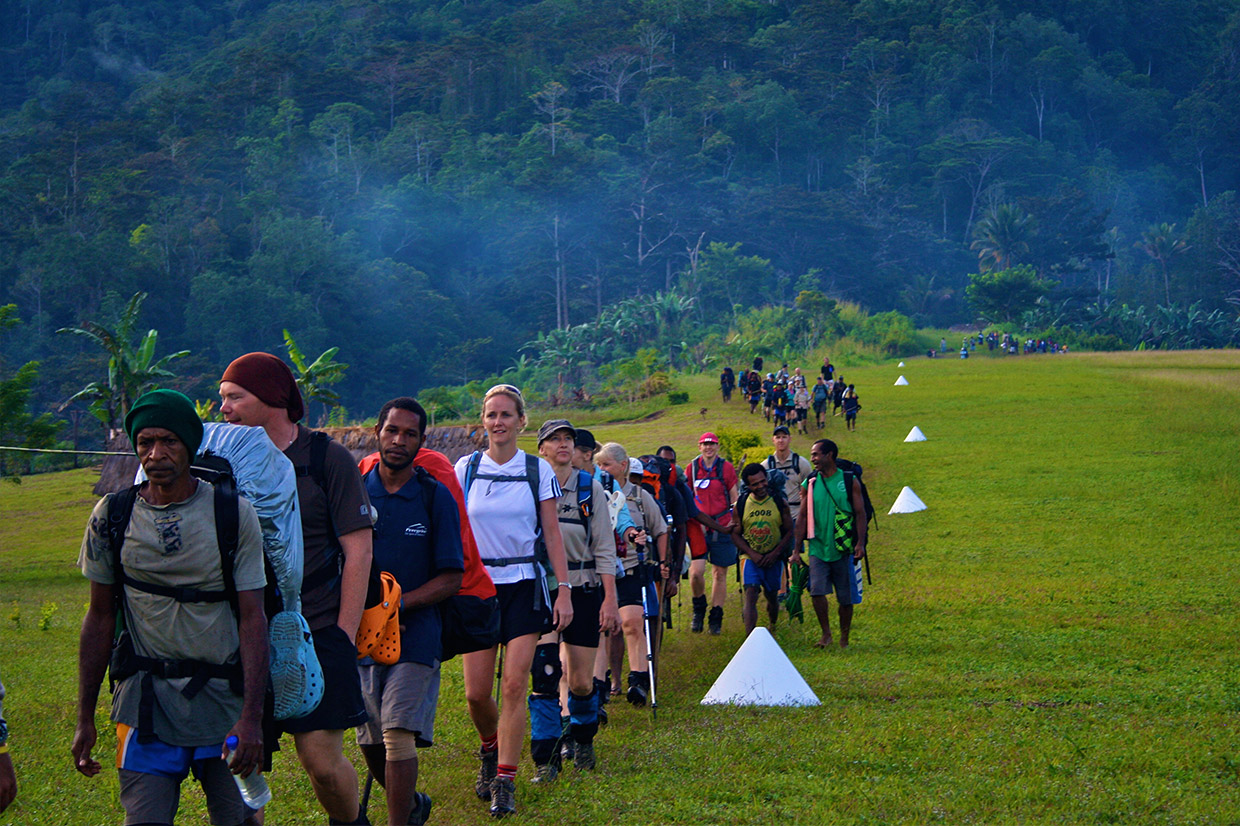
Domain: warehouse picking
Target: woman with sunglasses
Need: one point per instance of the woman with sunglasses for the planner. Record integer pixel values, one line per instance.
(511, 498)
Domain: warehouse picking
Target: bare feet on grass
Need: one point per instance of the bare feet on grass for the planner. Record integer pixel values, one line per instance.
(824, 642)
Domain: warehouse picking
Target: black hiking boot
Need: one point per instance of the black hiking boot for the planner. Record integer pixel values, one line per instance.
(639, 688)
(584, 759)
(716, 620)
(699, 614)
(486, 773)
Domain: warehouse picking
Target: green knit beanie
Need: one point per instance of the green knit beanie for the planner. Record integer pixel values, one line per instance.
(167, 409)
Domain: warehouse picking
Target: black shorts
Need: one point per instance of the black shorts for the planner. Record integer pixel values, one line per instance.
(342, 705)
(517, 614)
(629, 589)
(583, 630)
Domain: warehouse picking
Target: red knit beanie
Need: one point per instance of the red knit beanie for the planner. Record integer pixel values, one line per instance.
(269, 378)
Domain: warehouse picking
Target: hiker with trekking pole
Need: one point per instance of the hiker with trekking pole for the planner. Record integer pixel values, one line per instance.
(636, 587)
(564, 699)
(512, 499)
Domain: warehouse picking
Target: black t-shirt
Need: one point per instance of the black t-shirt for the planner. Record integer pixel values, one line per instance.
(325, 515)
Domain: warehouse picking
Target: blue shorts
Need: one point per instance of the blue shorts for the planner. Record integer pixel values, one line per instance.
(768, 578)
(158, 757)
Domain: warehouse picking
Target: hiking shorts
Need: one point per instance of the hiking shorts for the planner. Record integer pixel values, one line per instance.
(768, 578)
(517, 617)
(405, 696)
(151, 776)
(720, 549)
(342, 706)
(629, 589)
(583, 630)
(827, 576)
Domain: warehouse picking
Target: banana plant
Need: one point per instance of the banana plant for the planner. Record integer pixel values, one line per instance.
(132, 370)
(314, 377)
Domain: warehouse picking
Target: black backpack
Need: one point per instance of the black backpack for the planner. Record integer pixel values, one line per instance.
(776, 486)
(125, 661)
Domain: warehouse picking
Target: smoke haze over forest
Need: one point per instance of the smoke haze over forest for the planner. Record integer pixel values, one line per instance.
(430, 185)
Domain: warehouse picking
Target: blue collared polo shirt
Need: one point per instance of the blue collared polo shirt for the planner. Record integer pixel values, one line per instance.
(415, 546)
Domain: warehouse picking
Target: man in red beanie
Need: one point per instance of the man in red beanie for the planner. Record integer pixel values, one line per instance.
(259, 390)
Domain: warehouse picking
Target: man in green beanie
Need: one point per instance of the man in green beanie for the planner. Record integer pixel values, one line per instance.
(190, 668)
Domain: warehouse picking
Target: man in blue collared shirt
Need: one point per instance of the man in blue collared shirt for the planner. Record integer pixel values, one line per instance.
(418, 540)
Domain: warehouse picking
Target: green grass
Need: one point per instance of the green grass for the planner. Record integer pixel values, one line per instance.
(1052, 641)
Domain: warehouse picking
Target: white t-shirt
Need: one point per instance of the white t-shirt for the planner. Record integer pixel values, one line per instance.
(503, 515)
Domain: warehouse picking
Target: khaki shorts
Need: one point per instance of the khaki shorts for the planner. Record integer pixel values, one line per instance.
(405, 696)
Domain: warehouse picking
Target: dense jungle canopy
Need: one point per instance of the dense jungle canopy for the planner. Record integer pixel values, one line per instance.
(430, 185)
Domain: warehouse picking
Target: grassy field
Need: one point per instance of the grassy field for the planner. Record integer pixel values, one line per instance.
(1052, 641)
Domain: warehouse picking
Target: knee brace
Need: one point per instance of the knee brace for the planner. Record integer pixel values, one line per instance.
(546, 670)
(400, 744)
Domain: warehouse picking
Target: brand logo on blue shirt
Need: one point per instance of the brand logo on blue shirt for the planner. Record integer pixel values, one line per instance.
(416, 529)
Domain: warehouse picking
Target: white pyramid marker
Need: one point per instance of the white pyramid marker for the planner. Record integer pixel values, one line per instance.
(760, 674)
(900, 382)
(915, 435)
(907, 502)
(901, 364)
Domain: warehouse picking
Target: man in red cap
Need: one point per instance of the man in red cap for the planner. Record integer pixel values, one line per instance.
(259, 390)
(713, 481)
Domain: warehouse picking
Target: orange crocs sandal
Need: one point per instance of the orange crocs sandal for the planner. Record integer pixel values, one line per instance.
(378, 635)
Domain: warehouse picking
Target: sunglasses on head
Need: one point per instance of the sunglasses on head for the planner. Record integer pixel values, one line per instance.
(504, 388)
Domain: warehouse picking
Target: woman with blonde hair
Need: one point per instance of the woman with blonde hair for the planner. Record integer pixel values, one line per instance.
(511, 499)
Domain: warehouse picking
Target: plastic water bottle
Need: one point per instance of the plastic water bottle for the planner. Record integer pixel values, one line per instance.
(254, 789)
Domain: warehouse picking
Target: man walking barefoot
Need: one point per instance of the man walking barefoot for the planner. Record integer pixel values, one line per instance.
(833, 525)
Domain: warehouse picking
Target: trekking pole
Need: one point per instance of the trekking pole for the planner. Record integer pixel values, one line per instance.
(646, 617)
(370, 780)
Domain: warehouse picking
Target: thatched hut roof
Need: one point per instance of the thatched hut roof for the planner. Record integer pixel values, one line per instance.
(117, 472)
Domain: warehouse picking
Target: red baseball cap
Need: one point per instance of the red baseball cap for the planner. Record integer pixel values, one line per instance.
(708, 437)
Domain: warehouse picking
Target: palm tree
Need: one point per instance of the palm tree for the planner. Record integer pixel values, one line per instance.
(313, 378)
(132, 371)
(1160, 242)
(1002, 237)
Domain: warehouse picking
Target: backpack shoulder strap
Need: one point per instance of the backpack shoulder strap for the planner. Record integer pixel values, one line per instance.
(740, 507)
(770, 462)
(796, 463)
(120, 509)
(585, 500)
(318, 457)
(531, 476)
(471, 471)
(228, 534)
(430, 487)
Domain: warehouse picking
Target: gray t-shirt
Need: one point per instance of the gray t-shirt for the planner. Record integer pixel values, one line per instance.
(602, 546)
(175, 545)
(796, 469)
